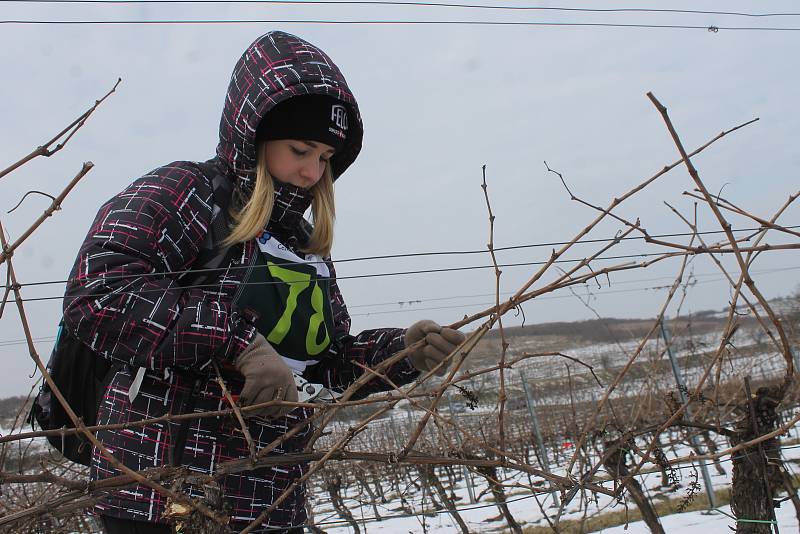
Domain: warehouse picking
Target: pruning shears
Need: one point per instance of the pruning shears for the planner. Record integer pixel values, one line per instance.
(310, 392)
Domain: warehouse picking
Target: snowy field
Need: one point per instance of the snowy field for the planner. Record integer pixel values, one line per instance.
(484, 516)
(705, 523)
(686, 523)
(525, 510)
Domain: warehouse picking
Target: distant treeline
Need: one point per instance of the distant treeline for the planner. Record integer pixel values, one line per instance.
(609, 329)
(10, 407)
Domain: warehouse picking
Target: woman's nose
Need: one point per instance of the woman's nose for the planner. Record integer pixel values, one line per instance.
(312, 172)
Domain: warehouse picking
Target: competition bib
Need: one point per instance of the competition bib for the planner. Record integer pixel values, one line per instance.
(292, 297)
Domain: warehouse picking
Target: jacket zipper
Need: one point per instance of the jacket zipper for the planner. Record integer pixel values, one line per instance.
(239, 290)
(187, 406)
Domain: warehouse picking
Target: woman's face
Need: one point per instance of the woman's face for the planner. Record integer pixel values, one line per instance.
(297, 162)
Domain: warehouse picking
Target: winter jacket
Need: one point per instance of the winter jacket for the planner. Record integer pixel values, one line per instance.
(124, 300)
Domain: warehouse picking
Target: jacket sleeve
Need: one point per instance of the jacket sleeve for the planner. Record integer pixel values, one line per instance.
(121, 299)
(338, 369)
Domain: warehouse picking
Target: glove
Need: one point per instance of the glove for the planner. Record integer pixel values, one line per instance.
(440, 342)
(266, 378)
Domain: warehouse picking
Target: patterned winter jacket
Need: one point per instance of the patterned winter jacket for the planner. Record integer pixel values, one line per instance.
(125, 303)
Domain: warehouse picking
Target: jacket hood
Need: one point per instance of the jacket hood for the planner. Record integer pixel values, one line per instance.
(276, 67)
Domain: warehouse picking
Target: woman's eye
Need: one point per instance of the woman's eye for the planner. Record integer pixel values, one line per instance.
(297, 151)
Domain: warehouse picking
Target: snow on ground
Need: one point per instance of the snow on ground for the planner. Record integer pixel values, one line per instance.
(29, 444)
(705, 523)
(484, 516)
(685, 523)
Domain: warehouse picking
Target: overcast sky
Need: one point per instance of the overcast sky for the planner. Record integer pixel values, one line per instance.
(438, 101)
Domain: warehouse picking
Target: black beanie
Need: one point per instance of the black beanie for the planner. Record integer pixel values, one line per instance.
(306, 117)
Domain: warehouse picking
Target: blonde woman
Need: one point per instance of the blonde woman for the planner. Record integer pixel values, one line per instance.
(271, 309)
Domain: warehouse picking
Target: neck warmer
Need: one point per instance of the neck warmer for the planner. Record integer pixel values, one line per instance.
(291, 202)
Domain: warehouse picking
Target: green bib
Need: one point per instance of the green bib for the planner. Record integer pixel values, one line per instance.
(292, 297)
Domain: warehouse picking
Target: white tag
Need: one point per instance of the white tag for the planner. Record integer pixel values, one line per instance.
(133, 391)
(269, 245)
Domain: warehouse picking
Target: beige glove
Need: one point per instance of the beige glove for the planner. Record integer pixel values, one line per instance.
(266, 378)
(440, 342)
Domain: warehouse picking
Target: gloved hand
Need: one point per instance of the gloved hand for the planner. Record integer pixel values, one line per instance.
(440, 342)
(266, 378)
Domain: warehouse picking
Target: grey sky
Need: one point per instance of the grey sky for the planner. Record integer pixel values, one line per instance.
(438, 102)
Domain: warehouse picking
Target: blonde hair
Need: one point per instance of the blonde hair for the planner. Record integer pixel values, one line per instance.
(250, 220)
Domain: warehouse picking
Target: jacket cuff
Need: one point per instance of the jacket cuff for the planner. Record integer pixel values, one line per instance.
(404, 370)
(241, 335)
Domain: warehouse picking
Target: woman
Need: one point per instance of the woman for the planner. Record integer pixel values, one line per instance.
(290, 127)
